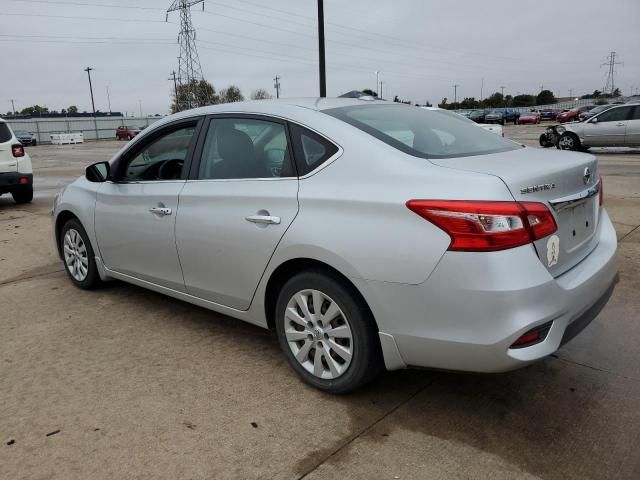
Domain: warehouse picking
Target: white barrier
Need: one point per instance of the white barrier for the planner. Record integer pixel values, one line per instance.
(66, 138)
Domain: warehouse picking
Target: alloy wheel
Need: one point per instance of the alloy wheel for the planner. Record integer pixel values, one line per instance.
(318, 334)
(75, 255)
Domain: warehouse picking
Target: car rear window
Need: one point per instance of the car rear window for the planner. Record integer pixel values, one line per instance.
(423, 133)
(5, 133)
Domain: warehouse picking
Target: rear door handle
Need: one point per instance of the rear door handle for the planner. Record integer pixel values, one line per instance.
(263, 219)
(162, 211)
(619, 124)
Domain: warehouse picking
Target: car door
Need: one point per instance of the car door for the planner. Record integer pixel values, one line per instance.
(241, 197)
(608, 128)
(136, 210)
(632, 137)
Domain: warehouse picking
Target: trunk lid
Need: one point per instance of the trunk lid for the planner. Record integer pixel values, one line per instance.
(558, 179)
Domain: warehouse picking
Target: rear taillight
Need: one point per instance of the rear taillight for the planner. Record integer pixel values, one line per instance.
(484, 226)
(601, 191)
(17, 150)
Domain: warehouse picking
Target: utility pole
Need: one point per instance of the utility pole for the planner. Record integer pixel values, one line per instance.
(175, 87)
(13, 108)
(108, 100)
(481, 88)
(502, 90)
(93, 105)
(140, 104)
(455, 94)
(377, 84)
(276, 85)
(610, 85)
(381, 83)
(571, 93)
(541, 87)
(322, 67)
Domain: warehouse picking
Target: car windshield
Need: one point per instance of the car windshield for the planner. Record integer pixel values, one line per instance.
(423, 133)
(21, 133)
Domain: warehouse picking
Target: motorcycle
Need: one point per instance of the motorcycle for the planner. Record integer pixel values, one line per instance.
(550, 137)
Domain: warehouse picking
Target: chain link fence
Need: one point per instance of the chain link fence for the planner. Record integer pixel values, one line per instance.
(103, 128)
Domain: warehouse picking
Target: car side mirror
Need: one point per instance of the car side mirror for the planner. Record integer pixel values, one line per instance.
(98, 172)
(594, 120)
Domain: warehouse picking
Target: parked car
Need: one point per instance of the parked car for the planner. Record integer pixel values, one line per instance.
(502, 116)
(573, 114)
(455, 249)
(478, 116)
(124, 132)
(548, 114)
(16, 174)
(528, 117)
(590, 113)
(618, 126)
(26, 138)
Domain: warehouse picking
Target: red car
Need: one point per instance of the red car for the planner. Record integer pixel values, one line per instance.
(573, 114)
(529, 117)
(126, 132)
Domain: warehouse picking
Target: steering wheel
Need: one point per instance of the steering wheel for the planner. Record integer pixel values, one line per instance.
(170, 169)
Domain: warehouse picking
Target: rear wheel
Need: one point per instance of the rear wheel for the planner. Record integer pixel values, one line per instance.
(23, 194)
(326, 333)
(569, 141)
(79, 260)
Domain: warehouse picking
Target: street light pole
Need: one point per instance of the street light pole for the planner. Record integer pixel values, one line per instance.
(323, 71)
(455, 95)
(93, 105)
(109, 99)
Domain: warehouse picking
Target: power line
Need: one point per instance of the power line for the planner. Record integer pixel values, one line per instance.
(81, 4)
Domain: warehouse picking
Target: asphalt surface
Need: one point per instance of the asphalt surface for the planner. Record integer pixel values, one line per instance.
(125, 383)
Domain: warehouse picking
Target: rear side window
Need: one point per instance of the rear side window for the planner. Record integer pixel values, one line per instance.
(5, 133)
(636, 113)
(310, 149)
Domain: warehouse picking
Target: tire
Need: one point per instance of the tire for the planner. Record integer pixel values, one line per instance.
(569, 141)
(74, 235)
(544, 142)
(311, 338)
(34, 143)
(23, 195)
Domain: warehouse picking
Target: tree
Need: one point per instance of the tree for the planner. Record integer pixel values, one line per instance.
(495, 100)
(34, 110)
(231, 94)
(368, 91)
(524, 100)
(469, 103)
(72, 109)
(442, 104)
(616, 92)
(197, 93)
(261, 94)
(546, 97)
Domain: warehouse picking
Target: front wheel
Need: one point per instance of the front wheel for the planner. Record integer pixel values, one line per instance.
(327, 333)
(569, 141)
(78, 256)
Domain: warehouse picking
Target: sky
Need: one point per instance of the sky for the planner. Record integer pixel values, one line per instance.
(422, 48)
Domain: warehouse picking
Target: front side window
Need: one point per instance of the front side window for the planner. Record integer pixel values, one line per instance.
(421, 132)
(636, 113)
(614, 115)
(163, 158)
(238, 148)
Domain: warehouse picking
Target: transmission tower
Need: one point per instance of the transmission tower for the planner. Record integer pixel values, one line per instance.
(611, 63)
(189, 69)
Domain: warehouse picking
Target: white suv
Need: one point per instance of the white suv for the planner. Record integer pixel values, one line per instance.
(16, 175)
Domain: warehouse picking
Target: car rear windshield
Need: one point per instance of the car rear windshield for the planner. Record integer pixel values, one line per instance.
(5, 133)
(421, 132)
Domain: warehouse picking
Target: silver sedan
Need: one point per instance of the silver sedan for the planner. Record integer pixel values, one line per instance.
(366, 235)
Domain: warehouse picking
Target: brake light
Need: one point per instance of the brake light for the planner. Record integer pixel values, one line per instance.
(17, 150)
(601, 191)
(485, 226)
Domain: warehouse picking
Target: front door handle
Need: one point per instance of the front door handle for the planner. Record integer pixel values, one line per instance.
(263, 219)
(619, 124)
(162, 211)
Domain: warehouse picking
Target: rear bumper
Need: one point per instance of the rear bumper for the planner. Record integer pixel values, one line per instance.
(11, 181)
(473, 307)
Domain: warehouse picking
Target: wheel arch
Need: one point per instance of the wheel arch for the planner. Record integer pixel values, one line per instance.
(291, 267)
(63, 217)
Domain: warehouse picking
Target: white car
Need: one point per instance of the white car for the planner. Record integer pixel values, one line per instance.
(16, 175)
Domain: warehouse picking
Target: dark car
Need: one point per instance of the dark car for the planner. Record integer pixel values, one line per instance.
(124, 132)
(478, 116)
(573, 114)
(594, 111)
(548, 114)
(502, 116)
(25, 138)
